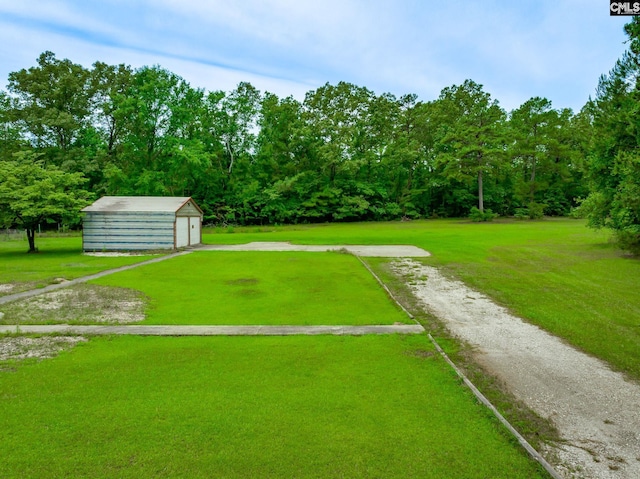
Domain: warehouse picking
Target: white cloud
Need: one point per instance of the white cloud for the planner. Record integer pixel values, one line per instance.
(199, 75)
(553, 48)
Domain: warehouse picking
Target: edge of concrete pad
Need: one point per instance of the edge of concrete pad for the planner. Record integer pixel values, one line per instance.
(180, 330)
(387, 251)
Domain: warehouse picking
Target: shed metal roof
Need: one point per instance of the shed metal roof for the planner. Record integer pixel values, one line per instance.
(146, 204)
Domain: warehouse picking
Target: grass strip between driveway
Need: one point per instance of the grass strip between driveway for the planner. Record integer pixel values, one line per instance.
(261, 288)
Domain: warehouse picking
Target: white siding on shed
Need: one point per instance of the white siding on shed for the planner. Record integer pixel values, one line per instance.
(128, 231)
(117, 223)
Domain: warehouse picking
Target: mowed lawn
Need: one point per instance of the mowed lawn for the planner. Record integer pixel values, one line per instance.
(260, 288)
(58, 257)
(259, 407)
(556, 273)
(380, 406)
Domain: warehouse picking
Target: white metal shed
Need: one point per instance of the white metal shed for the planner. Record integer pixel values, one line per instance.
(125, 223)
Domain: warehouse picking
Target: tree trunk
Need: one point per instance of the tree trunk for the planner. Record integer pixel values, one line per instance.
(230, 152)
(31, 237)
(480, 192)
(532, 181)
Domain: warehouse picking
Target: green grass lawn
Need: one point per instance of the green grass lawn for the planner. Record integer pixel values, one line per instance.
(555, 273)
(58, 257)
(240, 288)
(304, 407)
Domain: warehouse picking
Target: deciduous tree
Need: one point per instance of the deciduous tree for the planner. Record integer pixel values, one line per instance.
(33, 193)
(52, 101)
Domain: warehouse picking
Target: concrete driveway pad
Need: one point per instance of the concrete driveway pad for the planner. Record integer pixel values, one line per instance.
(386, 251)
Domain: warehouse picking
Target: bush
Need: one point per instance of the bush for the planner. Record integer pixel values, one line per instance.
(521, 213)
(534, 211)
(629, 239)
(477, 216)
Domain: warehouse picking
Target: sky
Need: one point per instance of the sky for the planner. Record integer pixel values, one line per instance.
(517, 50)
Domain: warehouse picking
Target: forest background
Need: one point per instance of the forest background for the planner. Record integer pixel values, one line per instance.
(69, 134)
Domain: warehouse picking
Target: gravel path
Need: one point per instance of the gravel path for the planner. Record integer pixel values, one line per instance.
(596, 410)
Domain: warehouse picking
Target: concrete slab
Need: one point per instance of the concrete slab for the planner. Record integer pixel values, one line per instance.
(161, 330)
(387, 251)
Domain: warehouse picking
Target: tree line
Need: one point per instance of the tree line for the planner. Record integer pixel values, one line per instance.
(344, 153)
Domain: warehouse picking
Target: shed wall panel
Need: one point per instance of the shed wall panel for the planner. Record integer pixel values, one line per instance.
(128, 231)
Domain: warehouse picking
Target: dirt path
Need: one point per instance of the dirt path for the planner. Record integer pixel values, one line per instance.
(595, 409)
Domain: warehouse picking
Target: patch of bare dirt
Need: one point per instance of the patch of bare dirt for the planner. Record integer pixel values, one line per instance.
(82, 303)
(596, 410)
(23, 347)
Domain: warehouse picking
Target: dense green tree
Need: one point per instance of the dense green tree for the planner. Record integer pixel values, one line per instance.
(532, 125)
(472, 141)
(239, 118)
(277, 155)
(33, 193)
(110, 86)
(230, 127)
(403, 154)
(278, 162)
(52, 102)
(542, 152)
(12, 137)
(334, 114)
(159, 117)
(342, 154)
(614, 164)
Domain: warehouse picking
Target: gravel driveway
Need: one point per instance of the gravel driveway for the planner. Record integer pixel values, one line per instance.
(596, 410)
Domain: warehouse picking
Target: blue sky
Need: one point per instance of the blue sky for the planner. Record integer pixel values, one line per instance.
(517, 49)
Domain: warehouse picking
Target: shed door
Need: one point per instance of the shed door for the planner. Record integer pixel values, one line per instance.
(194, 232)
(182, 231)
